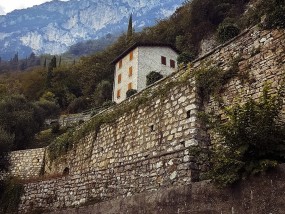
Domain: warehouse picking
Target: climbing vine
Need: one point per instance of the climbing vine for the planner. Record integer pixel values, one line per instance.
(251, 141)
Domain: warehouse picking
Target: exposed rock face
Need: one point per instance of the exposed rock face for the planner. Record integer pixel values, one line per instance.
(54, 26)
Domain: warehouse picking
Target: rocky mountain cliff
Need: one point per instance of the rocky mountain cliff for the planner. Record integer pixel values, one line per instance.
(54, 26)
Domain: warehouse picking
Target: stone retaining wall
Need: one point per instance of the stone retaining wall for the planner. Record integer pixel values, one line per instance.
(152, 147)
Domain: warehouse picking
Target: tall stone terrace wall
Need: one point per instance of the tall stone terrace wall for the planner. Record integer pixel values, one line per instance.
(145, 149)
(152, 146)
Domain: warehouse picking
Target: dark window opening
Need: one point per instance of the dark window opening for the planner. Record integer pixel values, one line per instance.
(163, 60)
(172, 63)
(188, 114)
(151, 128)
(66, 171)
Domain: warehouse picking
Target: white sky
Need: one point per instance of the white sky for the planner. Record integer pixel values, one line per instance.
(7, 6)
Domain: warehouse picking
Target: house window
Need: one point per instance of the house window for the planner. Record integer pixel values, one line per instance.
(130, 86)
(172, 63)
(118, 93)
(163, 60)
(120, 63)
(130, 71)
(119, 78)
(131, 55)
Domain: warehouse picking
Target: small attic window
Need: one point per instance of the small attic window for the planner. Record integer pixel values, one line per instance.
(163, 60)
(120, 63)
(131, 55)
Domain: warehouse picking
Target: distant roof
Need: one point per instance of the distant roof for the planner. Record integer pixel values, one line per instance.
(142, 44)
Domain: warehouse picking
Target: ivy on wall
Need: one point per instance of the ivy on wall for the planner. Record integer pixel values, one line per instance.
(250, 141)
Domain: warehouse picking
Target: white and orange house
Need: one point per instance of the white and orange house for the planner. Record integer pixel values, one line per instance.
(134, 64)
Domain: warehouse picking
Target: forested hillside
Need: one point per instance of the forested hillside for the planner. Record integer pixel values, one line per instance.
(87, 83)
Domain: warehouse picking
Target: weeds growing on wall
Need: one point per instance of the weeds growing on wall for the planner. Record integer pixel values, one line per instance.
(11, 191)
(211, 79)
(252, 140)
(153, 77)
(227, 31)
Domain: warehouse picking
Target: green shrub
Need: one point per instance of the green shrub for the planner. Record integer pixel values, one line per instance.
(276, 18)
(6, 142)
(61, 145)
(50, 109)
(252, 140)
(108, 103)
(227, 31)
(77, 105)
(10, 195)
(55, 127)
(152, 77)
(131, 92)
(185, 58)
(208, 81)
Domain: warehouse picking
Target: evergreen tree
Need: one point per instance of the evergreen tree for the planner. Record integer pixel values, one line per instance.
(59, 63)
(45, 63)
(51, 66)
(16, 58)
(130, 28)
(23, 64)
(31, 60)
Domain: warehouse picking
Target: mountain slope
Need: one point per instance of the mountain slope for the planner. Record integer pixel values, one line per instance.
(53, 26)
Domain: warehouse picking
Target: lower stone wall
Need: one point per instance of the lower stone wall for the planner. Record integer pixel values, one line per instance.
(258, 195)
(168, 169)
(26, 164)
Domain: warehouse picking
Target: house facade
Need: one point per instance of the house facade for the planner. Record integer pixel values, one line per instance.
(134, 64)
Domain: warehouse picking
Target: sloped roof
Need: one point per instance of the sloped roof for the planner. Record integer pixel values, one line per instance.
(142, 44)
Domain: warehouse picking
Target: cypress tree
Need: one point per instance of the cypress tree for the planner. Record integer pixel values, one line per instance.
(45, 63)
(51, 66)
(130, 28)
